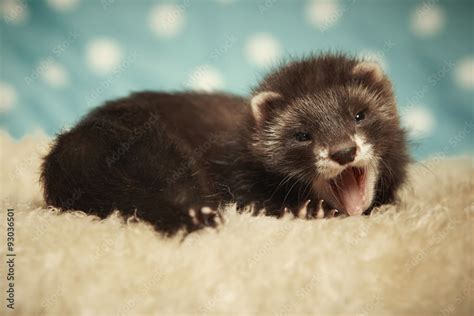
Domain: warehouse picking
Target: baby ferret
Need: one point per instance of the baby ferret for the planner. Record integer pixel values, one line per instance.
(317, 135)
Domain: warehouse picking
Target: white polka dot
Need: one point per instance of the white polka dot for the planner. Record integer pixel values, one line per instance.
(167, 20)
(63, 5)
(323, 14)
(53, 73)
(14, 11)
(427, 20)
(262, 49)
(375, 56)
(419, 121)
(205, 78)
(103, 56)
(464, 73)
(8, 96)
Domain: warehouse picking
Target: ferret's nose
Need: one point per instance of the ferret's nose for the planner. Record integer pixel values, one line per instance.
(343, 154)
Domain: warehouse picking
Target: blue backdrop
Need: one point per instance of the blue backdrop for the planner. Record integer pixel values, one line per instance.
(60, 58)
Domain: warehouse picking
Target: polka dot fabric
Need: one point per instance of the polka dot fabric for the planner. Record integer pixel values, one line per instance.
(60, 58)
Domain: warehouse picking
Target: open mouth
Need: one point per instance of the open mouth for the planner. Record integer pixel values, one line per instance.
(349, 188)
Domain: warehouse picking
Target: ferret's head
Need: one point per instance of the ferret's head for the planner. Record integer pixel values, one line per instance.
(331, 123)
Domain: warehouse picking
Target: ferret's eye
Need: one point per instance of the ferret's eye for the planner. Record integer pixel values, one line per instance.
(302, 137)
(360, 116)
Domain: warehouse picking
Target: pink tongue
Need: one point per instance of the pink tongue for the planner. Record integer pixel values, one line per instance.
(349, 193)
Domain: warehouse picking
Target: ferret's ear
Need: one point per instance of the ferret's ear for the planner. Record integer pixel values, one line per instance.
(368, 69)
(262, 103)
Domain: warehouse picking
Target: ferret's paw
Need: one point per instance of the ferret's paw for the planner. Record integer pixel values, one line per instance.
(205, 217)
(318, 211)
(308, 211)
(325, 211)
(303, 211)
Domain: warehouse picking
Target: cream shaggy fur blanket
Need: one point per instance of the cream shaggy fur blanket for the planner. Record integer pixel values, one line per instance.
(415, 258)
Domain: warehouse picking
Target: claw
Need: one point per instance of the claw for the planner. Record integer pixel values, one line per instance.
(303, 211)
(207, 210)
(210, 216)
(320, 210)
(333, 213)
(205, 217)
(134, 218)
(193, 215)
(284, 211)
(219, 219)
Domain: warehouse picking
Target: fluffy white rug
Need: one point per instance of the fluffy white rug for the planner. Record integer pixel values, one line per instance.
(412, 259)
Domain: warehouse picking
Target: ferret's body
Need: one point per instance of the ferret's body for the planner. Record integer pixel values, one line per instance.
(148, 152)
(174, 158)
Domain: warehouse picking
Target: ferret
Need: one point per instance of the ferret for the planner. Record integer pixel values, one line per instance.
(319, 136)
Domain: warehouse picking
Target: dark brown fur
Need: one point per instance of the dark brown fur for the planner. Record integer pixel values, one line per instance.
(161, 154)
